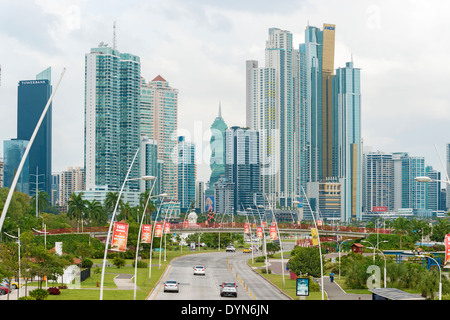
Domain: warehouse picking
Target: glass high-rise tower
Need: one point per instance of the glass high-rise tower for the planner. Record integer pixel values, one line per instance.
(346, 137)
(112, 111)
(32, 97)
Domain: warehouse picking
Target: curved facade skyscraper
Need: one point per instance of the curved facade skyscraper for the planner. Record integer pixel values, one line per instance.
(217, 145)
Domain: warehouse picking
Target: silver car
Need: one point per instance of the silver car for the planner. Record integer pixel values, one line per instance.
(200, 270)
(228, 289)
(171, 285)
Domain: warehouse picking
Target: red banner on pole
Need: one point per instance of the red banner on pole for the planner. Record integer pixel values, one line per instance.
(247, 228)
(119, 238)
(158, 230)
(166, 227)
(259, 232)
(447, 249)
(146, 233)
(273, 233)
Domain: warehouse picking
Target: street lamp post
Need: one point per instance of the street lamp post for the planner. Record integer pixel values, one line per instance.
(151, 242)
(440, 275)
(18, 243)
(318, 238)
(384, 263)
(279, 237)
(340, 257)
(113, 217)
(139, 233)
(264, 239)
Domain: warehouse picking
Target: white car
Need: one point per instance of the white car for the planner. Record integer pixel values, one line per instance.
(200, 270)
(228, 289)
(171, 285)
(230, 249)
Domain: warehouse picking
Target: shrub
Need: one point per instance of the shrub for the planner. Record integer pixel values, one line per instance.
(53, 291)
(119, 262)
(141, 264)
(87, 263)
(39, 294)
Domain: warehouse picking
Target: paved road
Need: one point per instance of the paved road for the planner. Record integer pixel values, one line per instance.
(220, 267)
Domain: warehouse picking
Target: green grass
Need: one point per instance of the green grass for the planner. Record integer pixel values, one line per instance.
(90, 291)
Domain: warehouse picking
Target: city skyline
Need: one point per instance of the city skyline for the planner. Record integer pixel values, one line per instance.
(397, 74)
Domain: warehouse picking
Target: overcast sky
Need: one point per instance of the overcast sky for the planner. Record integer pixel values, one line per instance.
(200, 48)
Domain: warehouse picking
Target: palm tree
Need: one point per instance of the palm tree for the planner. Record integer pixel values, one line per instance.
(110, 201)
(94, 210)
(42, 201)
(76, 207)
(125, 211)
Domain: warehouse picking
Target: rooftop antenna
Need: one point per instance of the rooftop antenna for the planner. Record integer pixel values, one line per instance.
(114, 36)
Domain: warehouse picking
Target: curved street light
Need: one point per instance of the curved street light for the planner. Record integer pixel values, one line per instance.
(113, 217)
(384, 263)
(140, 229)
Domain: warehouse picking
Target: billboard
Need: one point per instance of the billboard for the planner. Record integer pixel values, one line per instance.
(119, 238)
(209, 203)
(302, 287)
(379, 209)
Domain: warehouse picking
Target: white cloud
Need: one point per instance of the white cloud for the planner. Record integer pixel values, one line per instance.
(201, 46)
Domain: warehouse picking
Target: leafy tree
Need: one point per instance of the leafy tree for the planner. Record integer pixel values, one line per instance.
(440, 229)
(304, 261)
(272, 247)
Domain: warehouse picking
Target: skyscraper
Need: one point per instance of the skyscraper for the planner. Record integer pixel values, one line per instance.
(32, 98)
(13, 151)
(378, 181)
(112, 128)
(242, 166)
(346, 161)
(279, 55)
(159, 121)
(217, 146)
(186, 174)
(270, 110)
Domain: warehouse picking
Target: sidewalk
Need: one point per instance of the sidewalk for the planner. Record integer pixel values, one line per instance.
(332, 289)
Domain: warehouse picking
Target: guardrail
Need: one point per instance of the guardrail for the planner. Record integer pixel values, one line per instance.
(236, 227)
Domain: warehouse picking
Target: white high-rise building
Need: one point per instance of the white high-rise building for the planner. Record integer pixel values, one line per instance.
(159, 107)
(271, 105)
(112, 137)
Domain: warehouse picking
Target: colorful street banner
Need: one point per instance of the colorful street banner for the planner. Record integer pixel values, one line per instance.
(158, 230)
(273, 233)
(259, 232)
(146, 236)
(447, 251)
(315, 237)
(166, 227)
(119, 238)
(186, 223)
(246, 227)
